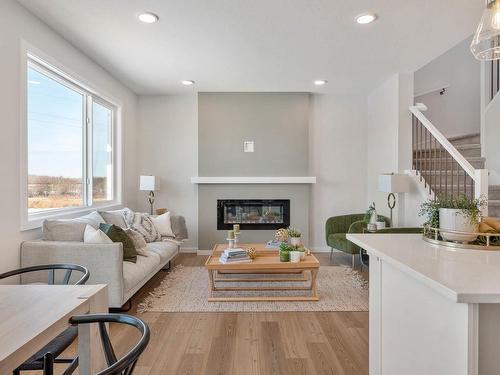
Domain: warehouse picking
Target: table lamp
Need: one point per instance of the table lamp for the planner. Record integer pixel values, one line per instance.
(393, 183)
(151, 184)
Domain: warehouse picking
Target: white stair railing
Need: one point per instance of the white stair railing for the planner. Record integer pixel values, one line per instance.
(439, 165)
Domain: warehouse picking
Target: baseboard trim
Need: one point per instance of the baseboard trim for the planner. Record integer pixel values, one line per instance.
(204, 252)
(188, 250)
(319, 249)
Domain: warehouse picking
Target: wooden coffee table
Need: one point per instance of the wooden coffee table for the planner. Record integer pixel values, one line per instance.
(267, 264)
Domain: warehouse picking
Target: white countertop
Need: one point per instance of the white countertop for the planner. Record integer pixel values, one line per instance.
(468, 276)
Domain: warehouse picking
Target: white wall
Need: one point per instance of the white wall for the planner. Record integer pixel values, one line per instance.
(389, 139)
(168, 148)
(337, 156)
(491, 135)
(16, 24)
(457, 111)
(382, 149)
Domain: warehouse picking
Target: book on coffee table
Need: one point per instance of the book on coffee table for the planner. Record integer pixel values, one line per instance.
(231, 261)
(234, 256)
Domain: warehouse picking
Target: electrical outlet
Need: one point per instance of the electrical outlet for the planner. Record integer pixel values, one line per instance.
(248, 146)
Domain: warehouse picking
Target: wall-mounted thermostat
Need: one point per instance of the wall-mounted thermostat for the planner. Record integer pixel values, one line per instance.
(248, 146)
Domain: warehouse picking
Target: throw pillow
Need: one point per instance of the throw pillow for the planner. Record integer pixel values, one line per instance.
(139, 242)
(116, 217)
(143, 224)
(93, 218)
(163, 224)
(128, 215)
(92, 235)
(117, 234)
(63, 230)
(70, 229)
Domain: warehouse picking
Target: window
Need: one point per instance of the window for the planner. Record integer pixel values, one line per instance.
(70, 139)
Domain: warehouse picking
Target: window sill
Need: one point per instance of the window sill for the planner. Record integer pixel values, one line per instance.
(35, 221)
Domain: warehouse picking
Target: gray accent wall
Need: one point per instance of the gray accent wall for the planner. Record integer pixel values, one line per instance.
(278, 123)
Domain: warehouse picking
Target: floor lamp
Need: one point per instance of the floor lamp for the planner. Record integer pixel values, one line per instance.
(151, 184)
(393, 183)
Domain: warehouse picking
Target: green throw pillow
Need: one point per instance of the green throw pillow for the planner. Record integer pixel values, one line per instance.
(117, 234)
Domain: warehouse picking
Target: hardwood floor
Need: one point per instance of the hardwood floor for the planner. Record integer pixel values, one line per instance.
(249, 343)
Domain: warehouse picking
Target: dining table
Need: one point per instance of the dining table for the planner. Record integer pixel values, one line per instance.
(33, 315)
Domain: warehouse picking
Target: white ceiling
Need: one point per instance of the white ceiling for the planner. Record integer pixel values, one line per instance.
(259, 45)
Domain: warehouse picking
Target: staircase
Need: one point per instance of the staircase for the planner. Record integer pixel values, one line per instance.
(470, 147)
(456, 166)
(444, 176)
(444, 167)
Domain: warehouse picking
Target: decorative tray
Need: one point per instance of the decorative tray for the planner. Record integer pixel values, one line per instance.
(483, 241)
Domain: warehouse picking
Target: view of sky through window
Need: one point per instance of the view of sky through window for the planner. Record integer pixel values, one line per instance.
(56, 134)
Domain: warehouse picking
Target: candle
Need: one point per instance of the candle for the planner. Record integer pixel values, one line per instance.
(230, 234)
(236, 228)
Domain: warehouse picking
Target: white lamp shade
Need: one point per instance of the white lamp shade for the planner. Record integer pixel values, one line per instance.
(393, 183)
(149, 183)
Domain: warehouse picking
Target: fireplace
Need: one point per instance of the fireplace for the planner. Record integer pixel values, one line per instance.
(253, 214)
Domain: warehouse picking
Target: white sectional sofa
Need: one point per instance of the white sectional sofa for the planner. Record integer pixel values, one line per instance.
(105, 261)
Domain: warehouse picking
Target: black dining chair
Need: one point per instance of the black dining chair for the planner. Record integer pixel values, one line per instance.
(122, 366)
(64, 340)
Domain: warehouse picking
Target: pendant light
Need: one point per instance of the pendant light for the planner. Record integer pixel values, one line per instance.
(486, 43)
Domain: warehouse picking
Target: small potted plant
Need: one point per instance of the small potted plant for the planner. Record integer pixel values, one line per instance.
(285, 252)
(371, 218)
(454, 214)
(380, 223)
(295, 237)
(302, 250)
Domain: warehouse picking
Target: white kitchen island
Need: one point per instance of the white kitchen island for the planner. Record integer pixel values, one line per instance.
(434, 310)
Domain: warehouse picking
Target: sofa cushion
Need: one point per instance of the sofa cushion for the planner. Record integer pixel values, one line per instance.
(116, 217)
(143, 224)
(165, 249)
(70, 229)
(92, 235)
(139, 243)
(117, 234)
(163, 224)
(134, 273)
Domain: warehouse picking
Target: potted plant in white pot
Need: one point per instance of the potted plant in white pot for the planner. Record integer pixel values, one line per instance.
(295, 237)
(371, 218)
(454, 214)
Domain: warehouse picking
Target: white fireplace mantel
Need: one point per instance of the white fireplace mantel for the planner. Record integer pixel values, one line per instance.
(253, 180)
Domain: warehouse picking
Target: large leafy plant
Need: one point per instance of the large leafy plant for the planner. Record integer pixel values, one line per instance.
(469, 208)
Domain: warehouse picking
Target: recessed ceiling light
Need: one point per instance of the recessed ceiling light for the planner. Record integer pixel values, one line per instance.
(320, 82)
(34, 82)
(187, 82)
(148, 17)
(366, 18)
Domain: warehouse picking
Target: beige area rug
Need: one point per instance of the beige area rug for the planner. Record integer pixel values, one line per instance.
(185, 289)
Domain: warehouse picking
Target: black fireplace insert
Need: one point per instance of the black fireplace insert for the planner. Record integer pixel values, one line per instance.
(253, 214)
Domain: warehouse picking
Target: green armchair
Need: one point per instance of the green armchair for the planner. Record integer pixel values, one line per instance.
(337, 227)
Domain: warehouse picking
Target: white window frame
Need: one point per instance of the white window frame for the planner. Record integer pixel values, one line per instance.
(35, 220)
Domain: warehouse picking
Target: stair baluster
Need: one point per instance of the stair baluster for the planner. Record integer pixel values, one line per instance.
(433, 158)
